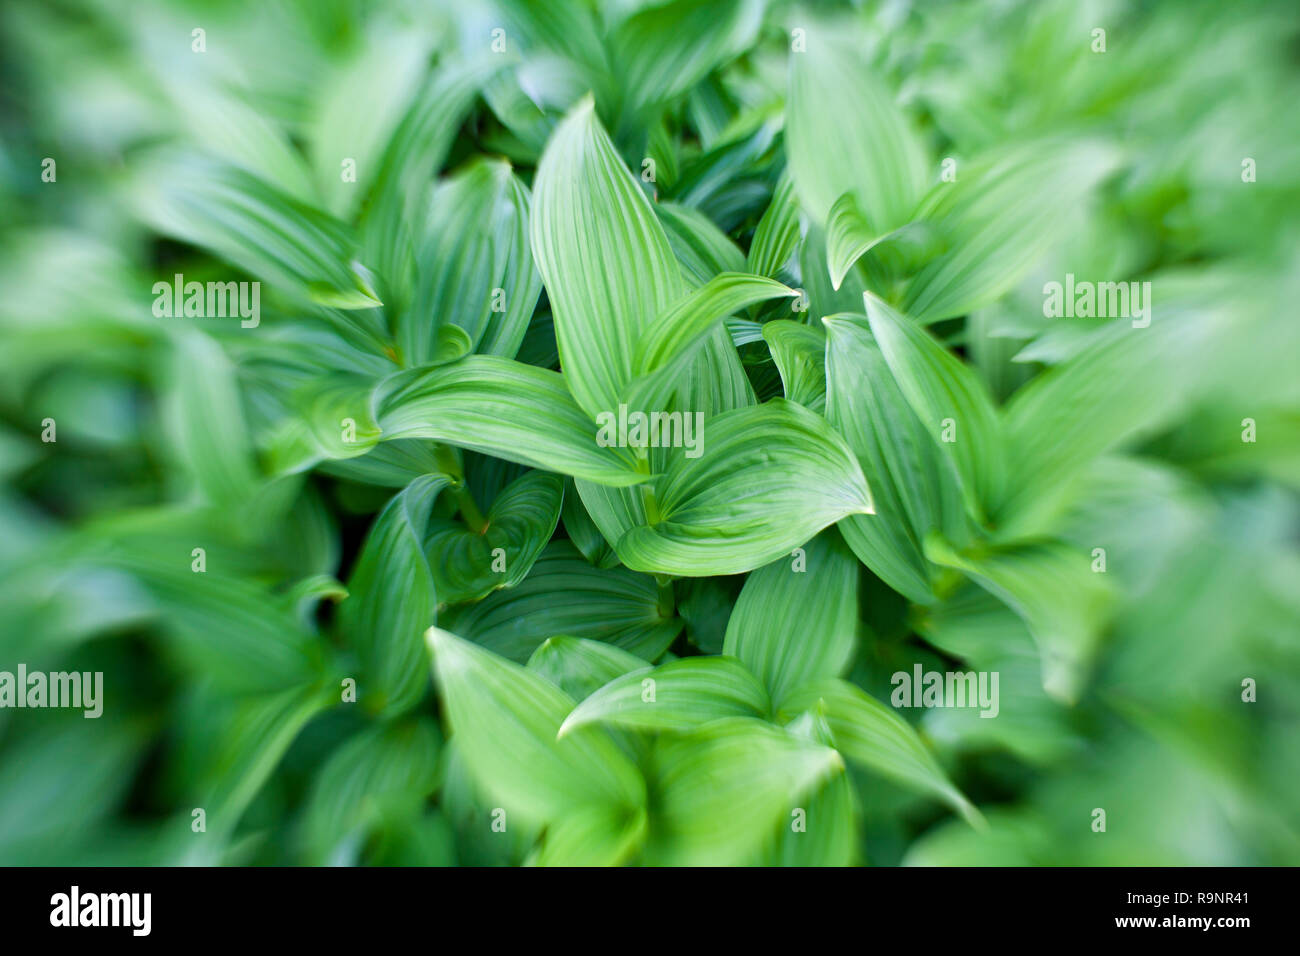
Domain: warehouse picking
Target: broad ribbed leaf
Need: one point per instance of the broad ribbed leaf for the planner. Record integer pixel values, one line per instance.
(386, 633)
(413, 157)
(228, 628)
(592, 836)
(579, 667)
(1052, 587)
(469, 563)
(474, 266)
(949, 398)
(381, 767)
(844, 134)
(505, 720)
(849, 237)
(723, 788)
(564, 595)
(503, 408)
(664, 50)
(998, 218)
(799, 352)
(1126, 382)
(256, 227)
(669, 344)
(678, 695)
(915, 487)
(769, 478)
(252, 745)
(869, 733)
(206, 421)
(359, 109)
(604, 257)
(777, 232)
(796, 618)
(582, 531)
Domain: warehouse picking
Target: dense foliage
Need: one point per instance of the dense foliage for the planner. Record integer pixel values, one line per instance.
(571, 433)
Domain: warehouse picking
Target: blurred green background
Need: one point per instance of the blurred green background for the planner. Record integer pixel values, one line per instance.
(167, 427)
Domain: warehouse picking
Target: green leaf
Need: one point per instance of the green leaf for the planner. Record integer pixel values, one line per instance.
(500, 407)
(668, 345)
(849, 236)
(359, 107)
(951, 401)
(1126, 382)
(777, 232)
(252, 745)
(469, 563)
(386, 633)
(664, 50)
(256, 227)
(579, 666)
(564, 595)
(844, 134)
(505, 720)
(593, 836)
(768, 479)
(205, 421)
(916, 489)
(678, 695)
(474, 267)
(1054, 590)
(723, 788)
(869, 733)
(413, 157)
(582, 531)
(1003, 212)
(605, 259)
(225, 626)
(799, 352)
(796, 618)
(380, 767)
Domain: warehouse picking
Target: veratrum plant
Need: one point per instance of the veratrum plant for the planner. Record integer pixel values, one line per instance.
(664, 432)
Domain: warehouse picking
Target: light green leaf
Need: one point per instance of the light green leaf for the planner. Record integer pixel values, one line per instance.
(796, 618)
(413, 157)
(474, 267)
(205, 421)
(564, 595)
(664, 50)
(256, 227)
(1003, 213)
(579, 666)
(777, 232)
(799, 352)
(678, 695)
(1126, 382)
(1054, 590)
(769, 478)
(951, 401)
(869, 733)
(505, 720)
(915, 487)
(844, 134)
(669, 344)
(724, 787)
(386, 633)
(358, 109)
(503, 408)
(591, 222)
(849, 236)
(593, 836)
